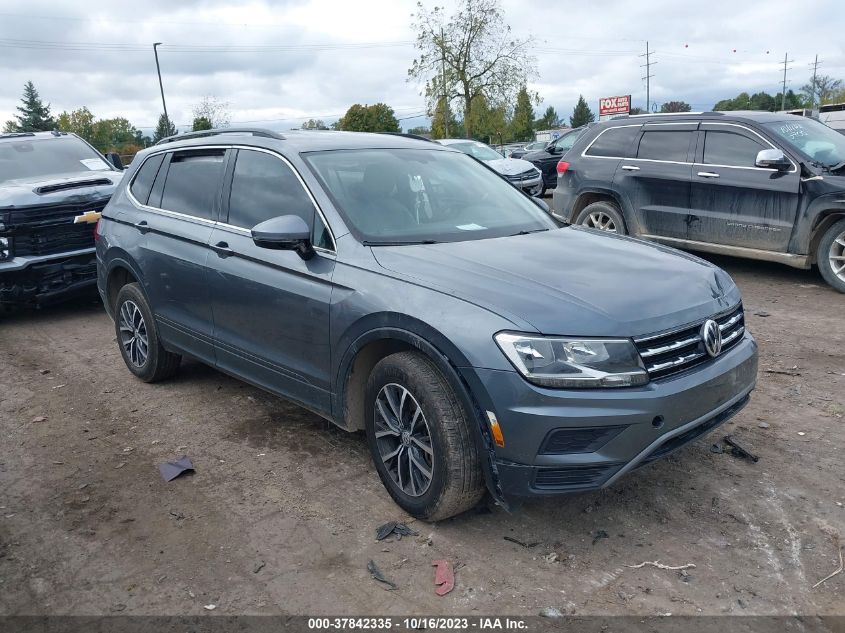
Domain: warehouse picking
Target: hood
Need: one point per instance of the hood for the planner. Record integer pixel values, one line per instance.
(23, 192)
(571, 281)
(510, 166)
(539, 154)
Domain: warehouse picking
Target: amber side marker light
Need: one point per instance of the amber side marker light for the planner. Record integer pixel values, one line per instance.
(496, 429)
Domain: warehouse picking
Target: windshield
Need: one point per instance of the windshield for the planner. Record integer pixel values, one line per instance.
(420, 195)
(476, 149)
(565, 142)
(814, 139)
(30, 158)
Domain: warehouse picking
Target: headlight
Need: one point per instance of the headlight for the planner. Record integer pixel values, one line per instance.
(5, 251)
(574, 363)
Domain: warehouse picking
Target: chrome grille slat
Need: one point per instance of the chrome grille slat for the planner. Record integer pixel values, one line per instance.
(668, 353)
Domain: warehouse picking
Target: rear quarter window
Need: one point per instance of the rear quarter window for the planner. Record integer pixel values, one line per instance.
(614, 142)
(145, 177)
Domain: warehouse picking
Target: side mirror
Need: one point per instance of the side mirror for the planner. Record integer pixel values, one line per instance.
(772, 159)
(284, 233)
(542, 204)
(114, 160)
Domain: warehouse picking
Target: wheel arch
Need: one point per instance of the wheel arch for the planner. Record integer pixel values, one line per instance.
(119, 272)
(588, 197)
(822, 223)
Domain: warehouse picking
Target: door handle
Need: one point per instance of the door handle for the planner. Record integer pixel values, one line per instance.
(222, 249)
(142, 226)
(708, 174)
(630, 168)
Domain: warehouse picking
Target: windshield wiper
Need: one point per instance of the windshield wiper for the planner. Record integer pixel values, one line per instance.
(524, 232)
(836, 167)
(398, 243)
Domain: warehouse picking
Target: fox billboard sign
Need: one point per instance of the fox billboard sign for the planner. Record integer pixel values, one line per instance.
(614, 105)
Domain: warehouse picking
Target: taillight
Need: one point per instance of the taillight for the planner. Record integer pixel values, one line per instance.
(97, 229)
(562, 166)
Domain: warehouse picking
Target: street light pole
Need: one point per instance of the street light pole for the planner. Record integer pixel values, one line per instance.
(160, 85)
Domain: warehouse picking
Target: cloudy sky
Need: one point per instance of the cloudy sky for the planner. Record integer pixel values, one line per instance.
(279, 62)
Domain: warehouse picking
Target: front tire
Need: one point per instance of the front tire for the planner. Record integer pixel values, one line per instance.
(604, 216)
(831, 256)
(137, 337)
(420, 438)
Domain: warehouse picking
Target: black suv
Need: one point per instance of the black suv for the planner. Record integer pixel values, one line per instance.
(546, 159)
(53, 186)
(750, 184)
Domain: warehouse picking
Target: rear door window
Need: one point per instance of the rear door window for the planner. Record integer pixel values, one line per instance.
(193, 181)
(614, 142)
(144, 179)
(665, 145)
(728, 148)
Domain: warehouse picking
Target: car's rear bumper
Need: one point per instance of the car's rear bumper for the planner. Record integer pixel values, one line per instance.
(562, 441)
(43, 280)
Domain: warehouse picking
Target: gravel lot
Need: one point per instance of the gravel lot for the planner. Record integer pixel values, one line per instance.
(281, 514)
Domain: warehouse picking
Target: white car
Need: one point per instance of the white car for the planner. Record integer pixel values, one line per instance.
(519, 172)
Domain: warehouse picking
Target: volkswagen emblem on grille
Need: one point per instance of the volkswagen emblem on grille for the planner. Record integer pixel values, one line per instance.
(712, 337)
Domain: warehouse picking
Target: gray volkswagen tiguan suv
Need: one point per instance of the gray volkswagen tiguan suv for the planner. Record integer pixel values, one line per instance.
(398, 287)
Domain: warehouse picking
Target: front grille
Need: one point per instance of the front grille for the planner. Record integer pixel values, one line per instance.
(574, 477)
(48, 230)
(580, 440)
(673, 352)
(694, 433)
(526, 175)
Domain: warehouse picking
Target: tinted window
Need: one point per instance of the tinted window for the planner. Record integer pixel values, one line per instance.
(192, 182)
(727, 148)
(144, 180)
(264, 187)
(615, 142)
(565, 142)
(668, 145)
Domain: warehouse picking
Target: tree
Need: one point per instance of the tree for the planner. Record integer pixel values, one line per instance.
(201, 123)
(469, 54)
(837, 96)
(675, 106)
(522, 121)
(420, 130)
(216, 111)
(444, 124)
(638, 110)
(582, 114)
(488, 122)
(115, 135)
(820, 90)
(164, 128)
(80, 122)
(378, 117)
(760, 101)
(34, 114)
(548, 121)
(312, 124)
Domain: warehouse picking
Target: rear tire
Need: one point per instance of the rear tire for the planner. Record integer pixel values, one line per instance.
(603, 216)
(137, 337)
(413, 413)
(830, 256)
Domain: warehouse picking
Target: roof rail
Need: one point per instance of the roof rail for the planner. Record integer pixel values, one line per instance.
(254, 131)
(16, 134)
(408, 135)
(662, 114)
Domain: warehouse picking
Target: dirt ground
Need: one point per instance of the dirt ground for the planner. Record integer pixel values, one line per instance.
(280, 515)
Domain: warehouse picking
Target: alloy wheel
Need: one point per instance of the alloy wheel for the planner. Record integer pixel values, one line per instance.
(601, 221)
(404, 439)
(133, 333)
(836, 256)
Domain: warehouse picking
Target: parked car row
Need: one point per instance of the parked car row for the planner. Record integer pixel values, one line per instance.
(749, 184)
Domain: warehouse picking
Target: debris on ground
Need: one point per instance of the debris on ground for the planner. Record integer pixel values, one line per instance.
(550, 612)
(717, 448)
(659, 565)
(258, 567)
(835, 571)
(171, 470)
(792, 371)
(394, 527)
(444, 577)
(763, 425)
(739, 450)
(598, 535)
(39, 418)
(43, 372)
(522, 543)
(375, 572)
(551, 557)
(210, 607)
(762, 313)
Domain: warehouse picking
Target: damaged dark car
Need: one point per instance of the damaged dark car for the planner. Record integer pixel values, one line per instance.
(53, 186)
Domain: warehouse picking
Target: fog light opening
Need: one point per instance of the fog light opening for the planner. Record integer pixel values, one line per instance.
(657, 422)
(496, 430)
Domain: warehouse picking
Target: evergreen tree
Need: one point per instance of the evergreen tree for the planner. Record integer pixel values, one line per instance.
(443, 121)
(582, 114)
(201, 123)
(522, 123)
(34, 114)
(164, 128)
(549, 120)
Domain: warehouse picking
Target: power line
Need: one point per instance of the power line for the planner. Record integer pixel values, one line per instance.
(813, 85)
(648, 64)
(786, 61)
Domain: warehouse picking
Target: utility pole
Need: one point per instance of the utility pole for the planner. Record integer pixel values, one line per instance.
(813, 85)
(786, 61)
(443, 79)
(160, 85)
(648, 64)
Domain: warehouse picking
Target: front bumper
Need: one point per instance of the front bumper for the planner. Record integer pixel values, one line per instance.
(46, 279)
(561, 441)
